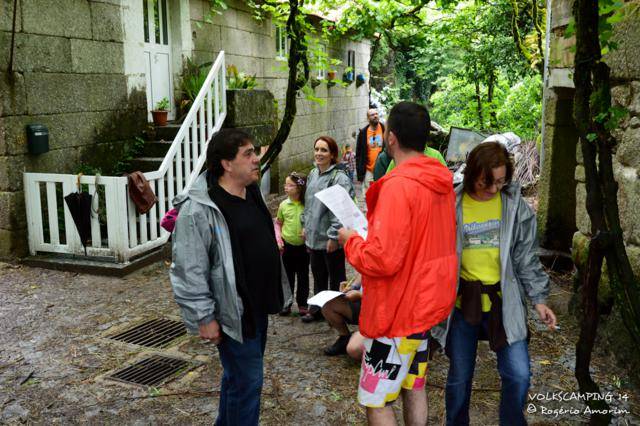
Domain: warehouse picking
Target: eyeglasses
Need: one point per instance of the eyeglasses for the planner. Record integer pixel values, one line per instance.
(499, 184)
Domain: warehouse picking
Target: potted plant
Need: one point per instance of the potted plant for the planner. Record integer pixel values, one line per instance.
(347, 77)
(314, 82)
(360, 80)
(331, 78)
(160, 113)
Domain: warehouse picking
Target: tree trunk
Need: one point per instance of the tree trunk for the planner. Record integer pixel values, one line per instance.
(478, 98)
(537, 17)
(493, 118)
(297, 54)
(374, 50)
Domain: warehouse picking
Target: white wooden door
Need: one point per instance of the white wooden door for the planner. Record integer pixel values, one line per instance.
(157, 52)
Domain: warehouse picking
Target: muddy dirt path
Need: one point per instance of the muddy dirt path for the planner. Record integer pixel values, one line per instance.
(53, 355)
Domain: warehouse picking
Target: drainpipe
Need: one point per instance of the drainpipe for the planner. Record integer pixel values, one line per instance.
(13, 37)
(545, 78)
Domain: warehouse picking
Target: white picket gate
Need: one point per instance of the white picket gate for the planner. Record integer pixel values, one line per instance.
(118, 232)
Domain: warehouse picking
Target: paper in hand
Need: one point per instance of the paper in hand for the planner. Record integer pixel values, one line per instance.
(323, 297)
(342, 206)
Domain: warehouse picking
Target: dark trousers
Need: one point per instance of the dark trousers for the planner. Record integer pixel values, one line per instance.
(328, 270)
(296, 264)
(242, 378)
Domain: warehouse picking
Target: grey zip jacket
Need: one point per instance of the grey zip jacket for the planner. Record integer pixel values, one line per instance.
(202, 273)
(319, 223)
(521, 274)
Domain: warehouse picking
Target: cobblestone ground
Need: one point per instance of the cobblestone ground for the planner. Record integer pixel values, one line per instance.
(54, 356)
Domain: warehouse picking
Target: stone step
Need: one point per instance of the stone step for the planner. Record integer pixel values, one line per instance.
(146, 164)
(156, 148)
(98, 266)
(168, 132)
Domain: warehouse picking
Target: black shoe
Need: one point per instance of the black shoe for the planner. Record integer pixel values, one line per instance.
(339, 347)
(285, 312)
(312, 315)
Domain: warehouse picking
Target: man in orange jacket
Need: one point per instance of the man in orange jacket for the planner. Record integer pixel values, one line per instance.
(409, 266)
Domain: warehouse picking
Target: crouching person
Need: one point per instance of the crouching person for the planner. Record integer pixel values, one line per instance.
(339, 313)
(226, 272)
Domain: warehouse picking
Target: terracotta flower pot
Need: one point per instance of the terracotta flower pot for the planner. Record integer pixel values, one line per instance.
(160, 117)
(331, 75)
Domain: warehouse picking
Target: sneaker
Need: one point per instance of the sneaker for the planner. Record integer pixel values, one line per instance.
(303, 311)
(339, 347)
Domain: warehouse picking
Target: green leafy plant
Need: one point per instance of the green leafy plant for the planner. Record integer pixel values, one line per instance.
(193, 77)
(162, 105)
(134, 150)
(239, 80)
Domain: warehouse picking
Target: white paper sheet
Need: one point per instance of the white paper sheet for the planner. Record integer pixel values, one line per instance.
(323, 297)
(337, 199)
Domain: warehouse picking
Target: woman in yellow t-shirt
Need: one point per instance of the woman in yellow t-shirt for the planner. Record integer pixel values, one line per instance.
(498, 264)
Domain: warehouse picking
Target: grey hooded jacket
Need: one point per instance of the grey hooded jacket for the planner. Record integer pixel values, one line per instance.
(521, 274)
(202, 273)
(319, 223)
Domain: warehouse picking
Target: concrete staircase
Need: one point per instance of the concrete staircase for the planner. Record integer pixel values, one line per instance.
(155, 149)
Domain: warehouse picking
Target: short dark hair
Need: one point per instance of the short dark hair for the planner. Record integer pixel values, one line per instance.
(224, 146)
(482, 160)
(333, 147)
(410, 122)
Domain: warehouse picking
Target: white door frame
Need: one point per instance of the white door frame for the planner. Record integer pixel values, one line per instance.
(157, 54)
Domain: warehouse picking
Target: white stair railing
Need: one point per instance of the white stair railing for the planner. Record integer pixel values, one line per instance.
(126, 234)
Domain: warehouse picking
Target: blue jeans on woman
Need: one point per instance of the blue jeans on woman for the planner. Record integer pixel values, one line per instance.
(242, 378)
(513, 366)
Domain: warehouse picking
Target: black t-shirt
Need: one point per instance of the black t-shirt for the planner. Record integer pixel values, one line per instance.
(256, 256)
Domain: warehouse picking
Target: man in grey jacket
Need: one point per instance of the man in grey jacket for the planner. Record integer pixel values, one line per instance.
(226, 272)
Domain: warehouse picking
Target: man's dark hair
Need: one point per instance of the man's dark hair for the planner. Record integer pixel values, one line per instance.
(410, 123)
(224, 146)
(482, 160)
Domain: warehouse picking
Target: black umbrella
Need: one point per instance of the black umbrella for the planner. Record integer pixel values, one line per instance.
(79, 204)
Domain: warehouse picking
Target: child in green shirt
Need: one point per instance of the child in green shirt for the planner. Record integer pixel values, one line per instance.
(294, 252)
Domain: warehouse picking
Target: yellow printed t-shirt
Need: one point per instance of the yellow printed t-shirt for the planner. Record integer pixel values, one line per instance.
(374, 146)
(481, 243)
(289, 213)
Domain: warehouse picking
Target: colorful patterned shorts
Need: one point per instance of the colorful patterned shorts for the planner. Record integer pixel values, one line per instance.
(389, 365)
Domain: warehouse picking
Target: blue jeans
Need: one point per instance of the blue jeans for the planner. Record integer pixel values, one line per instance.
(242, 378)
(513, 366)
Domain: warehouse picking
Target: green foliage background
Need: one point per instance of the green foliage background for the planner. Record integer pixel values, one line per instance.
(475, 64)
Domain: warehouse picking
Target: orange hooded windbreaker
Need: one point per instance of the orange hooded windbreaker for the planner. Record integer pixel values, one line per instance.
(408, 262)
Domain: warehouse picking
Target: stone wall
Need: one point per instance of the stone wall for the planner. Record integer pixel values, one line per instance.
(68, 75)
(563, 168)
(251, 46)
(79, 69)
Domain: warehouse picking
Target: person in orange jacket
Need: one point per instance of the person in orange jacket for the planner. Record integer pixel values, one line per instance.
(409, 267)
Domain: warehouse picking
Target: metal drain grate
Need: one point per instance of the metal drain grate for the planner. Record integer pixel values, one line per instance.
(151, 371)
(156, 333)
